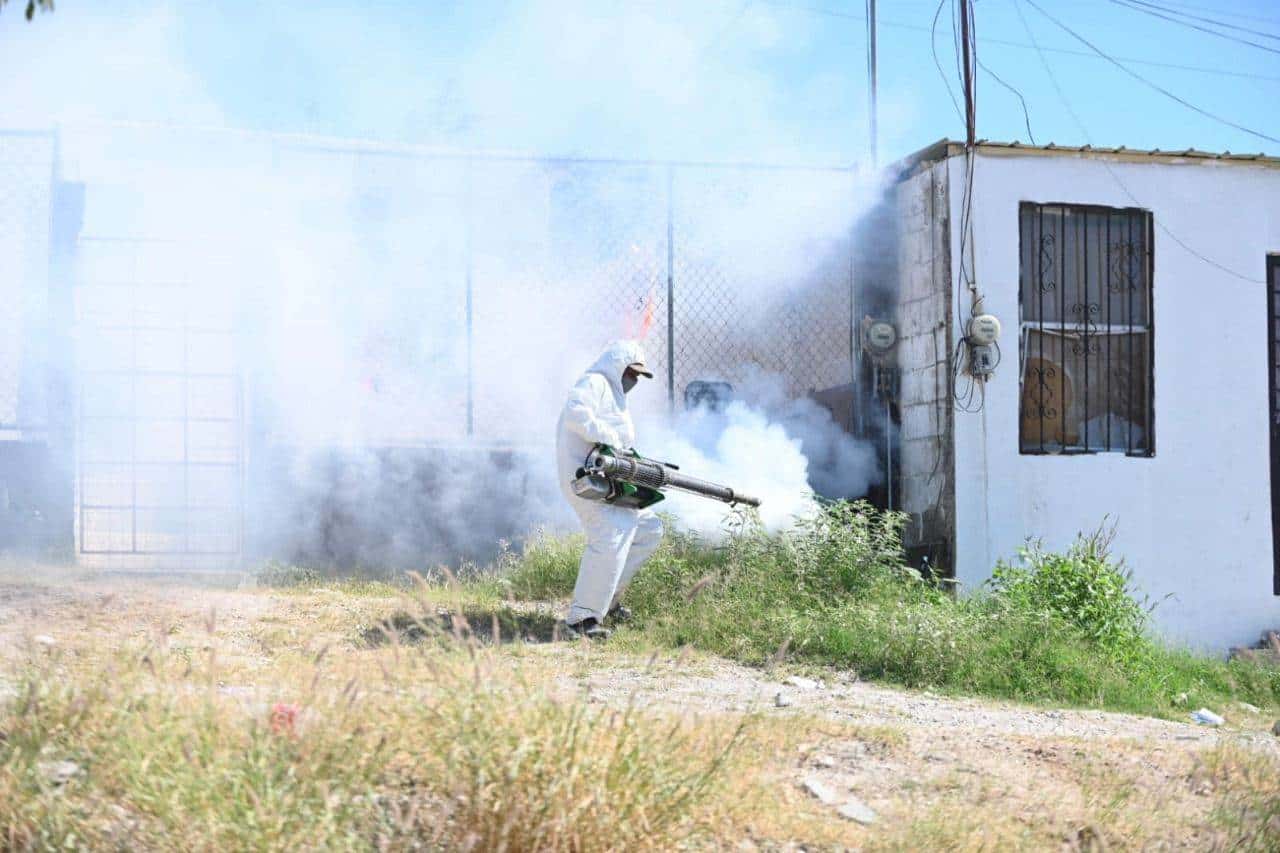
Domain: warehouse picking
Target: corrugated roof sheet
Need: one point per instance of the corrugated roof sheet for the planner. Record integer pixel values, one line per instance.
(947, 148)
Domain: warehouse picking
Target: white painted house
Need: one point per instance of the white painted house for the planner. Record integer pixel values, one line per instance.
(1139, 358)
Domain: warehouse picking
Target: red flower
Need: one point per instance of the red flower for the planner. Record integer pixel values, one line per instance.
(283, 717)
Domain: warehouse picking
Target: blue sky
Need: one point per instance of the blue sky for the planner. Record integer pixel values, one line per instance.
(714, 79)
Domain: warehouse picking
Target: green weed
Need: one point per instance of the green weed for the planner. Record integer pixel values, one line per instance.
(1059, 628)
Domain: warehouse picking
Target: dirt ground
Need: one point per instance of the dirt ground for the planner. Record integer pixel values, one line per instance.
(952, 773)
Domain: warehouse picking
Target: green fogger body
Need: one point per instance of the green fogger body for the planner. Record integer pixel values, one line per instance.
(630, 480)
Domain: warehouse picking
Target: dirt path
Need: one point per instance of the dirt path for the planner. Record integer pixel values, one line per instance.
(955, 772)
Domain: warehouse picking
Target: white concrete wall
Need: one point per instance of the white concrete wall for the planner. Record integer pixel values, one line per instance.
(1194, 521)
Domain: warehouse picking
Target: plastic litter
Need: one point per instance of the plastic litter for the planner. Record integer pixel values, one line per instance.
(1205, 717)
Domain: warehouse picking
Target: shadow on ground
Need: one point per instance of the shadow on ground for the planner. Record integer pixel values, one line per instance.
(485, 626)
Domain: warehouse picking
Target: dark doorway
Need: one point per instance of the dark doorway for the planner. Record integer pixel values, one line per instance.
(1273, 378)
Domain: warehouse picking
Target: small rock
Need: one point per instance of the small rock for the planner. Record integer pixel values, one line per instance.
(821, 791)
(1245, 706)
(45, 640)
(58, 772)
(239, 691)
(1275, 730)
(824, 761)
(802, 683)
(856, 810)
(782, 700)
(1205, 717)
(1181, 699)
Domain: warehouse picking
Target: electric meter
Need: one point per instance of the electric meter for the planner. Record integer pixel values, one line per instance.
(881, 336)
(984, 330)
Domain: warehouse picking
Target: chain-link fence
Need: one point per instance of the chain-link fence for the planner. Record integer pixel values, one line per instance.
(376, 297)
(26, 187)
(726, 272)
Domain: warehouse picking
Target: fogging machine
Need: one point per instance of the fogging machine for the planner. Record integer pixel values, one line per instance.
(630, 480)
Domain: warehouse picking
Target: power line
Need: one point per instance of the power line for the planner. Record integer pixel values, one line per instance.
(1213, 21)
(933, 45)
(967, 272)
(1084, 131)
(1026, 115)
(1136, 8)
(901, 25)
(1200, 69)
(957, 50)
(713, 43)
(1226, 12)
(1127, 70)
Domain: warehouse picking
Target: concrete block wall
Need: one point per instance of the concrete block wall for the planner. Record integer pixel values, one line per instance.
(923, 309)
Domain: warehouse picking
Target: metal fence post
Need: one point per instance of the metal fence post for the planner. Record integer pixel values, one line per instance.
(469, 189)
(671, 291)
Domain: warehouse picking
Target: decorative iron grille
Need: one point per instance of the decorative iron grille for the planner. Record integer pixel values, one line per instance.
(1086, 330)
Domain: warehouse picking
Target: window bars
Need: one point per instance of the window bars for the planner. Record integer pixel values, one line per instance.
(1086, 330)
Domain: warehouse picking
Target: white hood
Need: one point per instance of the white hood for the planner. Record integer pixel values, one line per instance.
(614, 361)
(596, 410)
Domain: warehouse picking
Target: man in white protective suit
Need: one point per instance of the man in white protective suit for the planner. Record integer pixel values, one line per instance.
(619, 539)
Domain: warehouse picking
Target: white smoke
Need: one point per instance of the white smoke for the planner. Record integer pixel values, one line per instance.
(740, 448)
(343, 266)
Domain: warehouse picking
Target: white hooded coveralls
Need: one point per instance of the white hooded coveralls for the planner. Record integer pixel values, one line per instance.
(619, 539)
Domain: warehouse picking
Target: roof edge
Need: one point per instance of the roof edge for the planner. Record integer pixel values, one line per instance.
(945, 148)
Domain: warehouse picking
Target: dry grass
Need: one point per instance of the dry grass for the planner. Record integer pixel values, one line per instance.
(1247, 788)
(248, 721)
(253, 720)
(141, 741)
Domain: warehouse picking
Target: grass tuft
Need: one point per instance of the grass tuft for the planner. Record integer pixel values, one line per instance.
(1063, 628)
(138, 747)
(1247, 786)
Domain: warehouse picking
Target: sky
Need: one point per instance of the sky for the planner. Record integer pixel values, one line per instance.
(765, 80)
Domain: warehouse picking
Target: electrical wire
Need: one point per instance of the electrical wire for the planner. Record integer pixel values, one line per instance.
(1084, 131)
(1026, 115)
(933, 45)
(957, 50)
(1136, 7)
(964, 400)
(713, 43)
(1220, 11)
(1149, 83)
(1213, 21)
(1198, 69)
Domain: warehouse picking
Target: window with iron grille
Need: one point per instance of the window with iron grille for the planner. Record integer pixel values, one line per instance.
(1086, 330)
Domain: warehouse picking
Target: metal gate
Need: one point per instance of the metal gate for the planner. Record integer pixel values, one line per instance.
(159, 416)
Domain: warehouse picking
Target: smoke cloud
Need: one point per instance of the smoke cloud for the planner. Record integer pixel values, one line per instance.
(404, 315)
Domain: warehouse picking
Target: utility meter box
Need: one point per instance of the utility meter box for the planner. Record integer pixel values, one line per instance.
(879, 339)
(984, 330)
